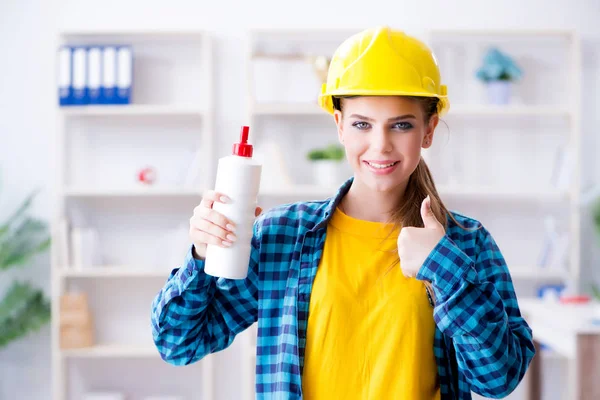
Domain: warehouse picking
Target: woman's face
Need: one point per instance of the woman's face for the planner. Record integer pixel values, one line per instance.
(383, 137)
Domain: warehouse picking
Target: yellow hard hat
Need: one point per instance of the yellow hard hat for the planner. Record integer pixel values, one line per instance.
(383, 62)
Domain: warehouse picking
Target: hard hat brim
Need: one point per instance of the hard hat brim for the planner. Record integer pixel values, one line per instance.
(326, 102)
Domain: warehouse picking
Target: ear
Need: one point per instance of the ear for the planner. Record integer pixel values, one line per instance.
(337, 116)
(430, 131)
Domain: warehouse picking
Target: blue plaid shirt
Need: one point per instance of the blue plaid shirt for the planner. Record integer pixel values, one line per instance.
(481, 344)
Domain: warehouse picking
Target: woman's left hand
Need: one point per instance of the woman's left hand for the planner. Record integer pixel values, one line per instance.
(415, 244)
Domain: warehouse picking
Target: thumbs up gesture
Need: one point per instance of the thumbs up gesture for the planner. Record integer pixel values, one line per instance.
(415, 244)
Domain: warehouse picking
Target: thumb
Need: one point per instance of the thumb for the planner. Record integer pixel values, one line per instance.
(258, 211)
(429, 220)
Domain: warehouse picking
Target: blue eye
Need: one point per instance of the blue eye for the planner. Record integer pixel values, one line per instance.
(361, 125)
(404, 126)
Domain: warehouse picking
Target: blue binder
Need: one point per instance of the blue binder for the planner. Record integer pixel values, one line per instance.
(108, 87)
(124, 74)
(94, 74)
(65, 76)
(80, 85)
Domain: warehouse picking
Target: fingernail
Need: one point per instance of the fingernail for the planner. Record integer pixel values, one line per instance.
(224, 199)
(231, 237)
(226, 243)
(230, 227)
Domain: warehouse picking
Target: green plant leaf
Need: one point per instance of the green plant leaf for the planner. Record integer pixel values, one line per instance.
(23, 309)
(23, 242)
(32, 311)
(596, 216)
(17, 214)
(331, 152)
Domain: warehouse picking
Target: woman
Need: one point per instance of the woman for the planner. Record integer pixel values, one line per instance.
(379, 292)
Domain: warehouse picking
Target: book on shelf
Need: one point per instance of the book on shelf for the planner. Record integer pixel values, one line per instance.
(85, 245)
(562, 171)
(555, 247)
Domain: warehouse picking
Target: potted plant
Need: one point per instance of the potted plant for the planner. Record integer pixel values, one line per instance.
(327, 165)
(23, 308)
(498, 72)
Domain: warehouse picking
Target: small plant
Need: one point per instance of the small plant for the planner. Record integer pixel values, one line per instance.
(332, 152)
(23, 309)
(498, 66)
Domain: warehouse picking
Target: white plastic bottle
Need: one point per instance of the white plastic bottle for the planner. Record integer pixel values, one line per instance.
(238, 177)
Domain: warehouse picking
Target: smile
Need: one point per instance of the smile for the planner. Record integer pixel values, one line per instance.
(382, 167)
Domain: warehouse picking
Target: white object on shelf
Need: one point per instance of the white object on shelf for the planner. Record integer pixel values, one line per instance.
(284, 80)
(327, 173)
(562, 174)
(85, 245)
(275, 174)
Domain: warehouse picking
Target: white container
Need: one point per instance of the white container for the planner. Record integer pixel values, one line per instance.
(328, 173)
(499, 92)
(238, 177)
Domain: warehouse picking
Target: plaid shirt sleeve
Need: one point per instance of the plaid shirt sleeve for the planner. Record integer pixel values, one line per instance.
(196, 314)
(477, 307)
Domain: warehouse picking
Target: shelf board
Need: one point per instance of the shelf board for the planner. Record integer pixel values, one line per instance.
(310, 34)
(112, 351)
(133, 110)
(508, 110)
(130, 36)
(501, 32)
(131, 192)
(113, 272)
(288, 109)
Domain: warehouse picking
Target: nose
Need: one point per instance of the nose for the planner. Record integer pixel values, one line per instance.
(381, 140)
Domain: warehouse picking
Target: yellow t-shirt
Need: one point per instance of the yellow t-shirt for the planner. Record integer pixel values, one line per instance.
(370, 330)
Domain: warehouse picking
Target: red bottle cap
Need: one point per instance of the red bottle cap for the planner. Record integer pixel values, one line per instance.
(243, 149)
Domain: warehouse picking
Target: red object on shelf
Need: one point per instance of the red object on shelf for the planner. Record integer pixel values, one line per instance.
(243, 148)
(147, 175)
(575, 299)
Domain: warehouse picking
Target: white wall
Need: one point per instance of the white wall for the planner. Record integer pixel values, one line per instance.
(27, 94)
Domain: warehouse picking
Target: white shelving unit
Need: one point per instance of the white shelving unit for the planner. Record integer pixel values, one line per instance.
(548, 107)
(99, 150)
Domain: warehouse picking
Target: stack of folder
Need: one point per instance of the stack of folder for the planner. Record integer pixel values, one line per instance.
(94, 75)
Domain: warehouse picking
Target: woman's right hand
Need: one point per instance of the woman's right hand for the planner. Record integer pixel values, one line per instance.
(208, 226)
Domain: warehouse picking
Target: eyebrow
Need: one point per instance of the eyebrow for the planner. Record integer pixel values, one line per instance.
(398, 118)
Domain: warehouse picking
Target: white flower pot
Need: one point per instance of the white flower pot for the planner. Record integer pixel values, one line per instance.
(327, 173)
(499, 92)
